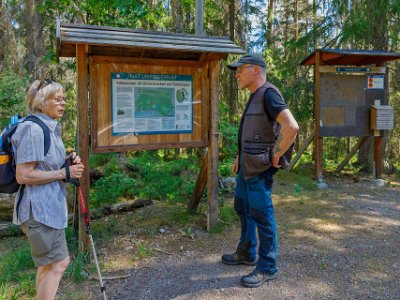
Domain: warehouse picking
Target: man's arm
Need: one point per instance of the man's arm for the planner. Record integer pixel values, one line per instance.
(287, 135)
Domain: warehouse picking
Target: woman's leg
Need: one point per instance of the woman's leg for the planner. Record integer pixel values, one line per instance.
(48, 278)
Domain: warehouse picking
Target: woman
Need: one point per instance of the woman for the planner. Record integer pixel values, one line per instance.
(42, 211)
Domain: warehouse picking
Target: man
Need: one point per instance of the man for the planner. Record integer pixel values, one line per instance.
(267, 130)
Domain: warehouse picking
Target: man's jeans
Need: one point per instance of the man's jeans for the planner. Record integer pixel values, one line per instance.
(253, 204)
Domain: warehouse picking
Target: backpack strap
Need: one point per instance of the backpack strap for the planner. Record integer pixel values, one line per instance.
(46, 133)
(45, 128)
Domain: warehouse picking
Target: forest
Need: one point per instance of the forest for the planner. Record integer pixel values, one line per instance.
(285, 32)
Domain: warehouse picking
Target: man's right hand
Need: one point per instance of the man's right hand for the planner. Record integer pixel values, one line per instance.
(235, 165)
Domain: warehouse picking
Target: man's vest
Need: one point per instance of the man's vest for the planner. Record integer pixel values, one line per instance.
(258, 134)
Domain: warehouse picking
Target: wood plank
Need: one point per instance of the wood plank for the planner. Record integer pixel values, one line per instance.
(150, 45)
(301, 150)
(140, 37)
(101, 59)
(357, 146)
(201, 183)
(83, 135)
(93, 103)
(212, 170)
(333, 69)
(141, 33)
(125, 148)
(378, 152)
(318, 140)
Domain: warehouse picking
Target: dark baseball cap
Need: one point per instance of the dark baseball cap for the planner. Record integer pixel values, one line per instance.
(250, 59)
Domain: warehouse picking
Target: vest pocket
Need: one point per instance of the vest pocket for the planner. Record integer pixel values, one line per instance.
(255, 161)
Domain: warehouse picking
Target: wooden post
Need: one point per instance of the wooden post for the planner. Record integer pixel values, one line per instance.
(378, 150)
(83, 135)
(318, 140)
(212, 170)
(302, 149)
(201, 183)
(361, 141)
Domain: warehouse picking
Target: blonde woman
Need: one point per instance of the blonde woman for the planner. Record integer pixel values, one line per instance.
(42, 210)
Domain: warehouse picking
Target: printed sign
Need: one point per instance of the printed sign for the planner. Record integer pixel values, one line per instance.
(151, 103)
(376, 82)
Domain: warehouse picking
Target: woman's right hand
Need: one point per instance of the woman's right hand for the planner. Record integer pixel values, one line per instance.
(76, 171)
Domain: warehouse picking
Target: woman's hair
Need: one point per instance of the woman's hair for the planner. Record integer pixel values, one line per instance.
(38, 92)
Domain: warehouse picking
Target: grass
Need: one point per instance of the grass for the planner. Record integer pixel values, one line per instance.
(17, 270)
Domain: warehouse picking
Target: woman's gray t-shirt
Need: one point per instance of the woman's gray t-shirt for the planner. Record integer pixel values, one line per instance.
(46, 201)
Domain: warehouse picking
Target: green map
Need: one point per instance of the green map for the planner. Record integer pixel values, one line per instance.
(154, 102)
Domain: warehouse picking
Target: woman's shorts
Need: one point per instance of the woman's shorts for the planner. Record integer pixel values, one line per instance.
(48, 245)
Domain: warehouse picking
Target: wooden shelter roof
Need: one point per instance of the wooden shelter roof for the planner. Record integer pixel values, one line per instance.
(111, 41)
(350, 57)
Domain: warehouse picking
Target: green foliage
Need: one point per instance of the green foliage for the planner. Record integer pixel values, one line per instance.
(24, 288)
(15, 263)
(228, 134)
(228, 214)
(100, 159)
(17, 274)
(143, 250)
(12, 96)
(108, 189)
(146, 175)
(76, 269)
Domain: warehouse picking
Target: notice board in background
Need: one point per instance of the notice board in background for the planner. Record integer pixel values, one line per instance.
(345, 102)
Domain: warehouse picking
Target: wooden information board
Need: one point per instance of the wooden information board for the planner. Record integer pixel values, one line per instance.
(184, 86)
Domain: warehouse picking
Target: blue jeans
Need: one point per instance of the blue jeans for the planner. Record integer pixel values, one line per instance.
(253, 204)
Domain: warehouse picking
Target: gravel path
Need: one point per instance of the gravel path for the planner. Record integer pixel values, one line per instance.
(340, 243)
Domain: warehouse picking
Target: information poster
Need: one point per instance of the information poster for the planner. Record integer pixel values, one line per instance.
(376, 82)
(151, 103)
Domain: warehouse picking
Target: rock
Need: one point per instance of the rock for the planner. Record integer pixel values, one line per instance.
(227, 183)
(6, 206)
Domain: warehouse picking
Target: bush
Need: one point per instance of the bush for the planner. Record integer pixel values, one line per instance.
(12, 96)
(108, 190)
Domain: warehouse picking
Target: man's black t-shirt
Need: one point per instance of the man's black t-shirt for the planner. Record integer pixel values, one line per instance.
(273, 104)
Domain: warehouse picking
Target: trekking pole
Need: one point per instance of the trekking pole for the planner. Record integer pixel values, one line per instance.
(86, 216)
(77, 183)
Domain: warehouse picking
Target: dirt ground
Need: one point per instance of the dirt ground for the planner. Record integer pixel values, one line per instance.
(338, 243)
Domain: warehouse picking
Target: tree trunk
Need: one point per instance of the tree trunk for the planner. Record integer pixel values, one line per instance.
(38, 39)
(245, 23)
(378, 40)
(177, 15)
(269, 34)
(232, 82)
(2, 34)
(30, 42)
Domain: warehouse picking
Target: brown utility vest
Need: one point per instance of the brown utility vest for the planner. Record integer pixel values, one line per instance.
(258, 135)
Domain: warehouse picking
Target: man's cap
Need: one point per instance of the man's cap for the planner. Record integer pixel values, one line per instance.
(250, 59)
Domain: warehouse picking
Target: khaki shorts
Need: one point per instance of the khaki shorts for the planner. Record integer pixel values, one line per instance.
(48, 245)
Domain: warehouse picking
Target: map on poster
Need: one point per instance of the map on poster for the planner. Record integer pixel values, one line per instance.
(151, 103)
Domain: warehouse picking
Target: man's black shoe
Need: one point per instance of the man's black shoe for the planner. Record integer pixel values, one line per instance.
(236, 259)
(257, 278)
